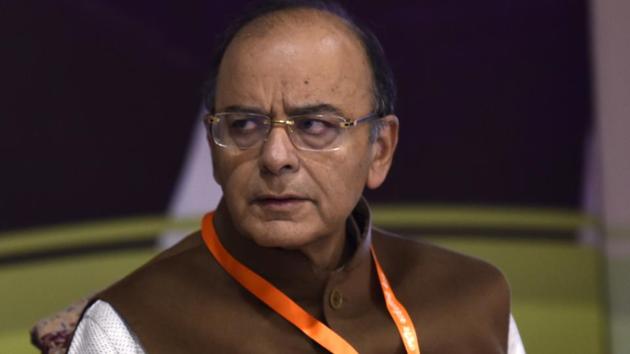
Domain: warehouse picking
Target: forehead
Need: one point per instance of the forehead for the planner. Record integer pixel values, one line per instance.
(296, 57)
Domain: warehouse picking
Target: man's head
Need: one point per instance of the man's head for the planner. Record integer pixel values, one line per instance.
(285, 63)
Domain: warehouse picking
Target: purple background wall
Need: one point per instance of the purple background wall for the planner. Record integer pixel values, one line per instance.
(98, 100)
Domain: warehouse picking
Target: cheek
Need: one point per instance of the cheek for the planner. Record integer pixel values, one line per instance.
(234, 173)
(354, 178)
(343, 179)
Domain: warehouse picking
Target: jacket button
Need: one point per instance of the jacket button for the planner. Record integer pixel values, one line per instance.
(336, 299)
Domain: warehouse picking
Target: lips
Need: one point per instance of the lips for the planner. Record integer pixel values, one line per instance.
(285, 198)
(283, 202)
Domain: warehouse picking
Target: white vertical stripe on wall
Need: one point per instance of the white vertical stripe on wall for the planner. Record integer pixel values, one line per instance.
(196, 191)
(611, 58)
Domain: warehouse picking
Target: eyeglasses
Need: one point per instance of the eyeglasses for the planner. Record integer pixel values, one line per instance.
(315, 132)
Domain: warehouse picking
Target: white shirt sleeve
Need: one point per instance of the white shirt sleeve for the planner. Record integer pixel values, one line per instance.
(515, 344)
(102, 330)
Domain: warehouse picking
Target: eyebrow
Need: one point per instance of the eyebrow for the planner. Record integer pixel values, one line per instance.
(314, 109)
(317, 108)
(244, 109)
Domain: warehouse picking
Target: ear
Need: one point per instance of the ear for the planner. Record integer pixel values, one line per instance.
(383, 150)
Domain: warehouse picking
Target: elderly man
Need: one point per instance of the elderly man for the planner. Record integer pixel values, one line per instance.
(301, 120)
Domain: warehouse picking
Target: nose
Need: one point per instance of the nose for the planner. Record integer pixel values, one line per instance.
(278, 155)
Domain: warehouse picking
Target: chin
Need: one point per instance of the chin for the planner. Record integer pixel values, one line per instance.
(281, 235)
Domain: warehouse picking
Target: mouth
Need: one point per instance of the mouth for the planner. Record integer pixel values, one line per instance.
(285, 202)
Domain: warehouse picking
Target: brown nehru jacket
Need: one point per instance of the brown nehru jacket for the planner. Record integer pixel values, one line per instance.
(184, 302)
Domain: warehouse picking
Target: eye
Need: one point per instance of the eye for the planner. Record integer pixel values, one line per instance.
(314, 125)
(242, 124)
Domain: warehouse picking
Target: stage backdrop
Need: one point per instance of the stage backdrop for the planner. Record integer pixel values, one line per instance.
(100, 101)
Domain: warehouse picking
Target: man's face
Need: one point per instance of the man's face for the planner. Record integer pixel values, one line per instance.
(277, 195)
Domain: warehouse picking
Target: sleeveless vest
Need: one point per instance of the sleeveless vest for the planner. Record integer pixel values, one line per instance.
(182, 301)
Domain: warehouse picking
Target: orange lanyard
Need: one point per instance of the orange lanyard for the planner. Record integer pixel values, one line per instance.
(295, 314)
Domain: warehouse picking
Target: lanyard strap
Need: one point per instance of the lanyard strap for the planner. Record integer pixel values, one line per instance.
(397, 311)
(292, 312)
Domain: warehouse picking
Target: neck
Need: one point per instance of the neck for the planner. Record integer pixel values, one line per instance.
(328, 253)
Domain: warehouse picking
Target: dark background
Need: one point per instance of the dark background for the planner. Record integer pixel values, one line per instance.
(99, 99)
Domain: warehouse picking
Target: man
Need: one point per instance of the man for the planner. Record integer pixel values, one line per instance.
(301, 120)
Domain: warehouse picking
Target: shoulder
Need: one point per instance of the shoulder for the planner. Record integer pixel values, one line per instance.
(439, 272)
(177, 267)
(444, 289)
(189, 248)
(188, 244)
(416, 255)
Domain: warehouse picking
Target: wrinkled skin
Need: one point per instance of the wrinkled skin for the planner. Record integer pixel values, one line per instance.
(275, 194)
